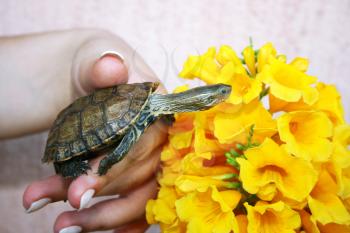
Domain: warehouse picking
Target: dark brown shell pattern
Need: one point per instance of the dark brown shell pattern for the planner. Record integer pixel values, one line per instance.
(94, 122)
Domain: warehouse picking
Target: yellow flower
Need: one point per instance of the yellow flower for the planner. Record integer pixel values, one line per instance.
(171, 161)
(204, 67)
(249, 58)
(272, 218)
(334, 228)
(266, 53)
(242, 221)
(299, 175)
(288, 83)
(182, 88)
(168, 177)
(234, 127)
(190, 183)
(183, 123)
(177, 227)
(227, 55)
(341, 159)
(210, 211)
(244, 88)
(268, 169)
(163, 208)
(192, 164)
(342, 135)
(311, 226)
(181, 140)
(300, 63)
(195, 176)
(308, 222)
(294, 204)
(202, 143)
(306, 134)
(325, 206)
(329, 101)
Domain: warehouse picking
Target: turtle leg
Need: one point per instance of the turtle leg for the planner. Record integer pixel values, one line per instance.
(72, 168)
(168, 119)
(131, 136)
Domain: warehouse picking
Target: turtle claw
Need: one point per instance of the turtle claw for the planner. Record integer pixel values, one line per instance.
(102, 171)
(72, 168)
(103, 167)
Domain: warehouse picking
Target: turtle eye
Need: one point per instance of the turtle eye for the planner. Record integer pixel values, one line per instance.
(223, 91)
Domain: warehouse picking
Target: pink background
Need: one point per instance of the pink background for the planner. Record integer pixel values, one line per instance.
(165, 33)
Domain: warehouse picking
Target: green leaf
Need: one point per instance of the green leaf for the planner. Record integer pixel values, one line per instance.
(264, 93)
(225, 176)
(240, 147)
(228, 155)
(234, 185)
(251, 42)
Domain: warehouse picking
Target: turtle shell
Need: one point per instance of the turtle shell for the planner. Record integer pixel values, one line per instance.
(97, 121)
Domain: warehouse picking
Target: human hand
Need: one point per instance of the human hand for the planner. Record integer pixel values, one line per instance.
(132, 178)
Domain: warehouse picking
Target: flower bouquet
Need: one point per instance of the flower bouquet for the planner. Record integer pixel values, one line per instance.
(273, 157)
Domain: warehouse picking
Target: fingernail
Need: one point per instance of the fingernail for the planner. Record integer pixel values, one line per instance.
(112, 53)
(38, 205)
(71, 229)
(86, 198)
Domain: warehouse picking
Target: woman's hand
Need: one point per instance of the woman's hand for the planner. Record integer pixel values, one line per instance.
(77, 55)
(132, 178)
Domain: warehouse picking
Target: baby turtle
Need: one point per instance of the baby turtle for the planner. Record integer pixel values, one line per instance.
(113, 119)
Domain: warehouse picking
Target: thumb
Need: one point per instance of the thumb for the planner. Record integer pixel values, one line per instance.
(107, 70)
(98, 63)
(90, 70)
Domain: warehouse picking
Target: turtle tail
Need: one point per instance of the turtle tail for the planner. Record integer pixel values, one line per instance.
(72, 168)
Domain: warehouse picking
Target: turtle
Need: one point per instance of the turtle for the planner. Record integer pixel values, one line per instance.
(112, 119)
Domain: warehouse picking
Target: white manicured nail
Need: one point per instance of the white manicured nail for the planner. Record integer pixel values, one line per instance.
(38, 205)
(86, 198)
(71, 229)
(112, 53)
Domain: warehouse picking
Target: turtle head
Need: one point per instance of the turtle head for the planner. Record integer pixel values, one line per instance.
(196, 99)
(205, 97)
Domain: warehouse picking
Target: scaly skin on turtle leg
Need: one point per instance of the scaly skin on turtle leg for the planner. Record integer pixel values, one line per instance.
(131, 136)
(118, 153)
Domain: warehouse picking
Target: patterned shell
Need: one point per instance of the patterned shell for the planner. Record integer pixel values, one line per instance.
(96, 121)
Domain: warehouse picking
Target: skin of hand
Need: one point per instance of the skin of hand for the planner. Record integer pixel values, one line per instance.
(63, 66)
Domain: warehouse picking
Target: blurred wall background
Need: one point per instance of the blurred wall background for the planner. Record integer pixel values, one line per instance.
(165, 32)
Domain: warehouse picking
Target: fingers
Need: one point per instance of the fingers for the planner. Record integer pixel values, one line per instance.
(138, 226)
(141, 163)
(133, 176)
(40, 193)
(109, 214)
(120, 178)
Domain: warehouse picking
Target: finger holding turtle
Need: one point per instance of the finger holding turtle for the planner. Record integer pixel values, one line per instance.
(139, 165)
(114, 213)
(132, 178)
(104, 72)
